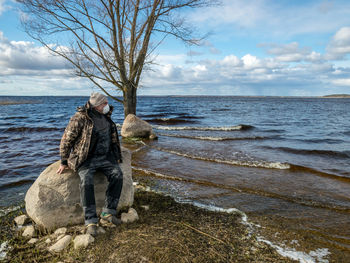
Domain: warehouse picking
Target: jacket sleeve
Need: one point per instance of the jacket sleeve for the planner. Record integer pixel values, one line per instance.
(117, 144)
(71, 133)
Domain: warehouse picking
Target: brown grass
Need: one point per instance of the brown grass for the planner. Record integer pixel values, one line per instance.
(167, 232)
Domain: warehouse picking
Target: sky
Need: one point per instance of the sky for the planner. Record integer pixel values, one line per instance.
(254, 48)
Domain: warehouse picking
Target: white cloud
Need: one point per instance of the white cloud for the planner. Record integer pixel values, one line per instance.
(292, 53)
(339, 46)
(3, 7)
(18, 57)
(342, 82)
(308, 75)
(251, 62)
(281, 18)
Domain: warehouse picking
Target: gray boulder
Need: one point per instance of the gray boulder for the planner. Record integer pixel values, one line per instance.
(133, 126)
(53, 200)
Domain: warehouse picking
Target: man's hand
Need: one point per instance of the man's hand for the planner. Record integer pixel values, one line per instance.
(62, 168)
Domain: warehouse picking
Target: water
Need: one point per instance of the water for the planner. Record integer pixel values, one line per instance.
(286, 159)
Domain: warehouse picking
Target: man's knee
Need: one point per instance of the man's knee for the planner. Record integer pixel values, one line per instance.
(117, 175)
(86, 177)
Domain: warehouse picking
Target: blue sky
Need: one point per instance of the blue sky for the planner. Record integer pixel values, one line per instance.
(256, 47)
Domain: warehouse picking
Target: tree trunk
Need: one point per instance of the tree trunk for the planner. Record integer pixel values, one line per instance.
(129, 100)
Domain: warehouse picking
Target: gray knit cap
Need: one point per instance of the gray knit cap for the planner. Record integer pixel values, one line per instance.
(97, 99)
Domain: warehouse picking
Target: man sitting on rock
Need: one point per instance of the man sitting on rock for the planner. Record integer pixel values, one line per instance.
(90, 143)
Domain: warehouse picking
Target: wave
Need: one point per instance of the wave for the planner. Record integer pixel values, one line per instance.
(241, 127)
(276, 195)
(300, 168)
(169, 121)
(31, 129)
(222, 109)
(327, 153)
(210, 138)
(159, 115)
(259, 164)
(329, 141)
(253, 164)
(16, 118)
(17, 183)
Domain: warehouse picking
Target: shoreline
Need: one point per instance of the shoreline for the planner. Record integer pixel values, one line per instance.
(168, 232)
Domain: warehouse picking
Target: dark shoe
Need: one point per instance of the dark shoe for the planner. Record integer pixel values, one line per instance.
(92, 229)
(108, 218)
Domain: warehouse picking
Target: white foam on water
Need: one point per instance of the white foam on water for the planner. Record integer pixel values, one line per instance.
(257, 164)
(311, 257)
(7, 210)
(229, 128)
(3, 250)
(210, 138)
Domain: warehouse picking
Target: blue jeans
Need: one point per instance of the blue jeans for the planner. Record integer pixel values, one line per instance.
(87, 195)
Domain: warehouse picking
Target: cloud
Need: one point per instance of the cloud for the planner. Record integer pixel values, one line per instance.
(291, 52)
(21, 56)
(3, 7)
(339, 46)
(27, 69)
(308, 75)
(278, 18)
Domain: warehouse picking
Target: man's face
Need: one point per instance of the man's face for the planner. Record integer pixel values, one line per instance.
(100, 107)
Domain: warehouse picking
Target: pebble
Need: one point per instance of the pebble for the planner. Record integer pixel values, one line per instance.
(60, 231)
(29, 231)
(100, 230)
(61, 236)
(48, 241)
(82, 241)
(21, 220)
(130, 217)
(146, 207)
(61, 244)
(33, 241)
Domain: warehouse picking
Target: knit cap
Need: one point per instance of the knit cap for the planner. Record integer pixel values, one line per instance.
(97, 99)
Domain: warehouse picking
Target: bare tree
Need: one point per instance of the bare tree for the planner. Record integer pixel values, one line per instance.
(108, 41)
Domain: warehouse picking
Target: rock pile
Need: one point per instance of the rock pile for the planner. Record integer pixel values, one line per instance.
(62, 237)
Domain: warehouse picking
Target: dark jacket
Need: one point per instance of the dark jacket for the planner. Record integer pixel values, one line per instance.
(75, 142)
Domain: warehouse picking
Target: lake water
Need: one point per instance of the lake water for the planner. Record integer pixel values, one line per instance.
(283, 161)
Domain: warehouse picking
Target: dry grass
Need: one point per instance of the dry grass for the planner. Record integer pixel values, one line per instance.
(167, 232)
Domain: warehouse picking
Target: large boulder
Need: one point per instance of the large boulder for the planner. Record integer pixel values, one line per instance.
(133, 126)
(54, 200)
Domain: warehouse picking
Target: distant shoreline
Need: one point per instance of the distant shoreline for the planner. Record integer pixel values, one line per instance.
(337, 96)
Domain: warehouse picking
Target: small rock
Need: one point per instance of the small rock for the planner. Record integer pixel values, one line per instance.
(21, 220)
(61, 231)
(33, 241)
(100, 231)
(48, 241)
(83, 241)
(146, 207)
(29, 231)
(60, 236)
(130, 217)
(153, 136)
(61, 244)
